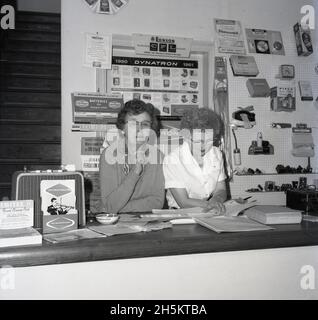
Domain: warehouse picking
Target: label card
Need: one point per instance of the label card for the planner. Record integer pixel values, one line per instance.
(16, 214)
(58, 204)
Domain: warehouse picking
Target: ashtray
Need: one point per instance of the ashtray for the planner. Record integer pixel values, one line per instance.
(107, 218)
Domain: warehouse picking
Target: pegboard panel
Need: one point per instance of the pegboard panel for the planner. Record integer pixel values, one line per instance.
(306, 111)
(281, 139)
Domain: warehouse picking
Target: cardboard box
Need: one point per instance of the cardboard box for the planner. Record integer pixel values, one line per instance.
(305, 91)
(303, 40)
(283, 99)
(258, 87)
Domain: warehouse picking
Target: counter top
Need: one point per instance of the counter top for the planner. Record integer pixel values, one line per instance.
(178, 240)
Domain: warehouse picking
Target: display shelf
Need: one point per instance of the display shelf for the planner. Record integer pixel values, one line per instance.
(274, 174)
(263, 192)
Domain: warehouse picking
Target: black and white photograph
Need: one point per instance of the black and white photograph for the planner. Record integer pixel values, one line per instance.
(157, 156)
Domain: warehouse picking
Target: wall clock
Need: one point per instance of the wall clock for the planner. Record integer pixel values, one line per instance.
(106, 6)
(287, 71)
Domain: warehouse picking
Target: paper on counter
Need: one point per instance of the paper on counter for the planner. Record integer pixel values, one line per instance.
(130, 227)
(183, 221)
(111, 230)
(174, 215)
(232, 207)
(72, 235)
(231, 224)
(129, 218)
(185, 212)
(156, 226)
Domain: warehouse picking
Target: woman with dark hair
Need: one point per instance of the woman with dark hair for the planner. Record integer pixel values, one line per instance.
(194, 172)
(131, 177)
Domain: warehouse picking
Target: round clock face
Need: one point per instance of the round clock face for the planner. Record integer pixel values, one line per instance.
(278, 45)
(287, 71)
(262, 46)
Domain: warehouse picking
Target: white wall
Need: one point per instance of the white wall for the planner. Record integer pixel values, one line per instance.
(254, 274)
(53, 6)
(194, 18)
(269, 274)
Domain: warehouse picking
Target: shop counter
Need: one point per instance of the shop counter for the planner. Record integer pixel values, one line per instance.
(178, 240)
(184, 262)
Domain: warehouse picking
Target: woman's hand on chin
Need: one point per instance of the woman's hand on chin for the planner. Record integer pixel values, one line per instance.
(139, 167)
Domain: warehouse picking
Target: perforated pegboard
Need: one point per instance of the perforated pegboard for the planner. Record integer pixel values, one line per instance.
(281, 139)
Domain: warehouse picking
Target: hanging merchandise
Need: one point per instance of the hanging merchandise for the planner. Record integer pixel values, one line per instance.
(286, 71)
(303, 40)
(236, 151)
(106, 6)
(241, 118)
(260, 146)
(264, 41)
(283, 98)
(244, 66)
(244, 118)
(258, 88)
(305, 91)
(259, 139)
(221, 107)
(280, 125)
(303, 142)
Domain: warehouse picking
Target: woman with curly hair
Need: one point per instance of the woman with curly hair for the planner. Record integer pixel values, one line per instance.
(129, 182)
(194, 172)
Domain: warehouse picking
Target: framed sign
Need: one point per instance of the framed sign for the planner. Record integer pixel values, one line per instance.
(162, 82)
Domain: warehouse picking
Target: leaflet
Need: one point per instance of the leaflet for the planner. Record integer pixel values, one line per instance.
(232, 209)
(231, 224)
(73, 235)
(16, 214)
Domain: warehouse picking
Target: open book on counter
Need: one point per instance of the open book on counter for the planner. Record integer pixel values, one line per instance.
(229, 222)
(232, 209)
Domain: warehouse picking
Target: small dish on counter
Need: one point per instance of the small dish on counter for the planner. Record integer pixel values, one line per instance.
(107, 218)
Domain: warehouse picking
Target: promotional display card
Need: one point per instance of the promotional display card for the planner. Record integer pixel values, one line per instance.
(58, 204)
(16, 214)
(264, 41)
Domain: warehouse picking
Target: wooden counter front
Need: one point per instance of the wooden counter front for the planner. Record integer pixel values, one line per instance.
(180, 239)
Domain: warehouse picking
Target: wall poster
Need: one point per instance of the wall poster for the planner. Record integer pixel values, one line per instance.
(166, 83)
(91, 148)
(229, 36)
(92, 111)
(98, 51)
(165, 46)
